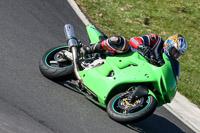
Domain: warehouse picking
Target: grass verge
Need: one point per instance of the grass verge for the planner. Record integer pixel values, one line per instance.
(130, 18)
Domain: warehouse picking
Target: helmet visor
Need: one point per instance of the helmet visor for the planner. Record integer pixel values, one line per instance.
(173, 52)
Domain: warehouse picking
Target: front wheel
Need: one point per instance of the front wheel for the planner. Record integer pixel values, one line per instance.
(121, 110)
(55, 65)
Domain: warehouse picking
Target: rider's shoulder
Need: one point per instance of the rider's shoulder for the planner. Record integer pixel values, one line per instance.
(153, 36)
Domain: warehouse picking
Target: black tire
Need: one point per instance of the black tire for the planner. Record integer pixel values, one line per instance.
(56, 73)
(138, 112)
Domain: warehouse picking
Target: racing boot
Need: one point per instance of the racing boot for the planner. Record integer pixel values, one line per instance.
(96, 48)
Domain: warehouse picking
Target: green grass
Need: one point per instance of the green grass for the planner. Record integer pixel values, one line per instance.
(130, 18)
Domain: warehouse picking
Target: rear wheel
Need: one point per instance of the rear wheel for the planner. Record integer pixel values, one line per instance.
(121, 110)
(55, 65)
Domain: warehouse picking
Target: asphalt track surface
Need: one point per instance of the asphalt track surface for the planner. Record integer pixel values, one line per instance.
(31, 103)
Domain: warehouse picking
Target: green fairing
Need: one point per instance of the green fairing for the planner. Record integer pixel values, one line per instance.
(93, 34)
(129, 69)
(170, 84)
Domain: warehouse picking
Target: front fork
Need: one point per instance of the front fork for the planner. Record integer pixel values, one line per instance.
(139, 92)
(73, 43)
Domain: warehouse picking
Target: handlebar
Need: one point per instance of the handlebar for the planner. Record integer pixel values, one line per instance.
(152, 60)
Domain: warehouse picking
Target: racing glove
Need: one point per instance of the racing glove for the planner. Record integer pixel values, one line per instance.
(146, 50)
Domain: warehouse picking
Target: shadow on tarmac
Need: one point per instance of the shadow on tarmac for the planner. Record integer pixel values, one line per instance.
(153, 124)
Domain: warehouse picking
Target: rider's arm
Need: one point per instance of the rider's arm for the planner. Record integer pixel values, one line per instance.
(147, 40)
(153, 41)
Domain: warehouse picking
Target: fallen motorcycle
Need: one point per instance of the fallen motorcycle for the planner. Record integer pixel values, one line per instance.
(130, 86)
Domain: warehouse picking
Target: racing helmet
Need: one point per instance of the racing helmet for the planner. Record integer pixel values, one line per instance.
(175, 46)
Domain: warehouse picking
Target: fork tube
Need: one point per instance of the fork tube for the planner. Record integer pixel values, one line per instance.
(75, 60)
(72, 42)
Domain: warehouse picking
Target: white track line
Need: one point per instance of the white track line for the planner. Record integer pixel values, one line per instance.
(180, 106)
(79, 12)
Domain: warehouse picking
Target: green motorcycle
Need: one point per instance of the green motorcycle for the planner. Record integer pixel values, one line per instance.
(130, 86)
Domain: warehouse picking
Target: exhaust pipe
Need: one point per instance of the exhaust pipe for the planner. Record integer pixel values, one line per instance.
(72, 42)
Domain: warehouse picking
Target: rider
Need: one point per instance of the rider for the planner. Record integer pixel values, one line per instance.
(175, 46)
